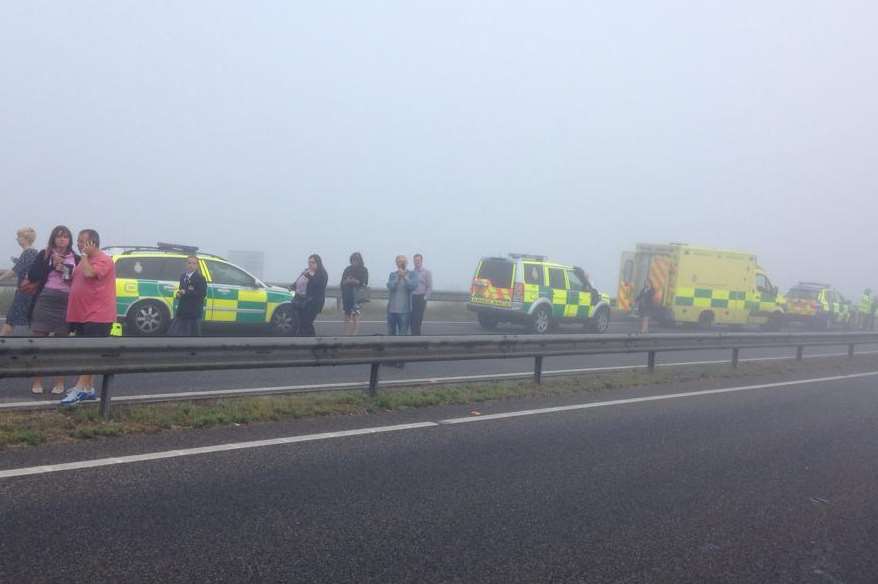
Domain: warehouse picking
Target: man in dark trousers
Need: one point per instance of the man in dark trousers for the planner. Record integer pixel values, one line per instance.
(421, 294)
(193, 289)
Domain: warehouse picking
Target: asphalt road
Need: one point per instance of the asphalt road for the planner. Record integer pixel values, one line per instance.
(767, 485)
(18, 390)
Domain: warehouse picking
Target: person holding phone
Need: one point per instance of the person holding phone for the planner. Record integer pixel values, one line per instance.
(310, 289)
(50, 278)
(91, 310)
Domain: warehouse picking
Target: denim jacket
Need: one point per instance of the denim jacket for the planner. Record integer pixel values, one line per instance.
(411, 282)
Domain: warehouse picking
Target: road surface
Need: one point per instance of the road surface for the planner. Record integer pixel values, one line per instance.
(775, 484)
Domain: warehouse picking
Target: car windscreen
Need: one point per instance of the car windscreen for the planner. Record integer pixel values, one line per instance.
(498, 272)
(803, 294)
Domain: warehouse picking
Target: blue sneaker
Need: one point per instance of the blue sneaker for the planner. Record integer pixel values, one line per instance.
(76, 395)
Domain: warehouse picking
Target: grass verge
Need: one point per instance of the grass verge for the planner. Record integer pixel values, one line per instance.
(41, 427)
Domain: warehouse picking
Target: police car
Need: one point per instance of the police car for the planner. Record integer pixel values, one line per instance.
(532, 290)
(147, 279)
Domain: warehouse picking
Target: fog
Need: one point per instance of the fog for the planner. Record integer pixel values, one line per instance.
(455, 129)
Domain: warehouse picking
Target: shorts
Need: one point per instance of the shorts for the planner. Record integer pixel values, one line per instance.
(91, 329)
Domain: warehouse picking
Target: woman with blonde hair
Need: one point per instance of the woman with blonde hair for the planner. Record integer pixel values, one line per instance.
(19, 311)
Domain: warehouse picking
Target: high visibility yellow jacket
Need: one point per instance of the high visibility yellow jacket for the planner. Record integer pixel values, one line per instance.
(867, 306)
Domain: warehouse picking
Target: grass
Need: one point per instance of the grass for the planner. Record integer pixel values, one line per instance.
(41, 427)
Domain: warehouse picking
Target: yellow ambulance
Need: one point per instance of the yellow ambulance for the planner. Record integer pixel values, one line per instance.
(700, 285)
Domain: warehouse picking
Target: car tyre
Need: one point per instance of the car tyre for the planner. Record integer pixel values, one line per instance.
(283, 321)
(600, 322)
(541, 322)
(149, 318)
(488, 323)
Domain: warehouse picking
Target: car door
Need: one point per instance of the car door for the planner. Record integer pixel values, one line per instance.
(558, 286)
(579, 300)
(233, 295)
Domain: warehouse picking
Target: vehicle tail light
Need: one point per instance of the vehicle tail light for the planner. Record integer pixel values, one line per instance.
(518, 293)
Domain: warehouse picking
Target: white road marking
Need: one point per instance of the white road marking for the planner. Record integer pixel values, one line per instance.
(635, 400)
(101, 462)
(316, 387)
(49, 468)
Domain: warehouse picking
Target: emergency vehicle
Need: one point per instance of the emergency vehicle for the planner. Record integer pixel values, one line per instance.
(535, 291)
(147, 279)
(700, 285)
(818, 305)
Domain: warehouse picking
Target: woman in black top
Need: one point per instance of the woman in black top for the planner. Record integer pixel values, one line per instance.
(52, 273)
(310, 289)
(354, 281)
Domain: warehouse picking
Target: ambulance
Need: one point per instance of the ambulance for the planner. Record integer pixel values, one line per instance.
(700, 286)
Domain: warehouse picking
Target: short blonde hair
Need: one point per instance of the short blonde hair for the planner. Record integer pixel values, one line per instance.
(28, 234)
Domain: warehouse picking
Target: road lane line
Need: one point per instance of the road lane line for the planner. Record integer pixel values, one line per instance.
(113, 461)
(117, 460)
(652, 398)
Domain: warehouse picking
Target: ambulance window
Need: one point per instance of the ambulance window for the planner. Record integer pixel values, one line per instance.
(172, 269)
(762, 282)
(533, 274)
(575, 282)
(139, 268)
(229, 275)
(556, 279)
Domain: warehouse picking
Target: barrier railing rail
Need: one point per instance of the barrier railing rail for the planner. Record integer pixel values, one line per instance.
(26, 357)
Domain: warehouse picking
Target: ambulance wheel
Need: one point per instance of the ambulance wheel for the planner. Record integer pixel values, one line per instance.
(541, 322)
(600, 322)
(149, 318)
(283, 322)
(775, 323)
(488, 323)
(705, 320)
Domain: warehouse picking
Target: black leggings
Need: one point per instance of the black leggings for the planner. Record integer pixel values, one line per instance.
(305, 315)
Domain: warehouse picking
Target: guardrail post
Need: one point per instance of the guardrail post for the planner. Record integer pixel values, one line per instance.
(650, 361)
(538, 369)
(735, 353)
(851, 351)
(373, 379)
(800, 352)
(106, 384)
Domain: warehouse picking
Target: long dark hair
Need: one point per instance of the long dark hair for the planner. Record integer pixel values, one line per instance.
(319, 260)
(60, 230)
(357, 257)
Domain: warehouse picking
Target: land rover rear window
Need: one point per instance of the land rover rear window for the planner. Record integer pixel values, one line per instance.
(498, 272)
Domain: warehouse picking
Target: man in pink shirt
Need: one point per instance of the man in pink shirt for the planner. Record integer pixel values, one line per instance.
(91, 307)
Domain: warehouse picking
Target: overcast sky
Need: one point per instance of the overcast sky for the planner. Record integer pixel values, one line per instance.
(457, 129)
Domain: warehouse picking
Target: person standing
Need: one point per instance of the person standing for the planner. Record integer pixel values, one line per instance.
(50, 276)
(91, 310)
(421, 294)
(400, 285)
(646, 305)
(310, 289)
(190, 306)
(867, 311)
(19, 310)
(354, 282)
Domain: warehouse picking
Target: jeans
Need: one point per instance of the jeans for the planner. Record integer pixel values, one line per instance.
(398, 323)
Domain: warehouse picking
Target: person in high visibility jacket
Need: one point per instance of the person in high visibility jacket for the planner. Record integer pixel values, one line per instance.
(867, 310)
